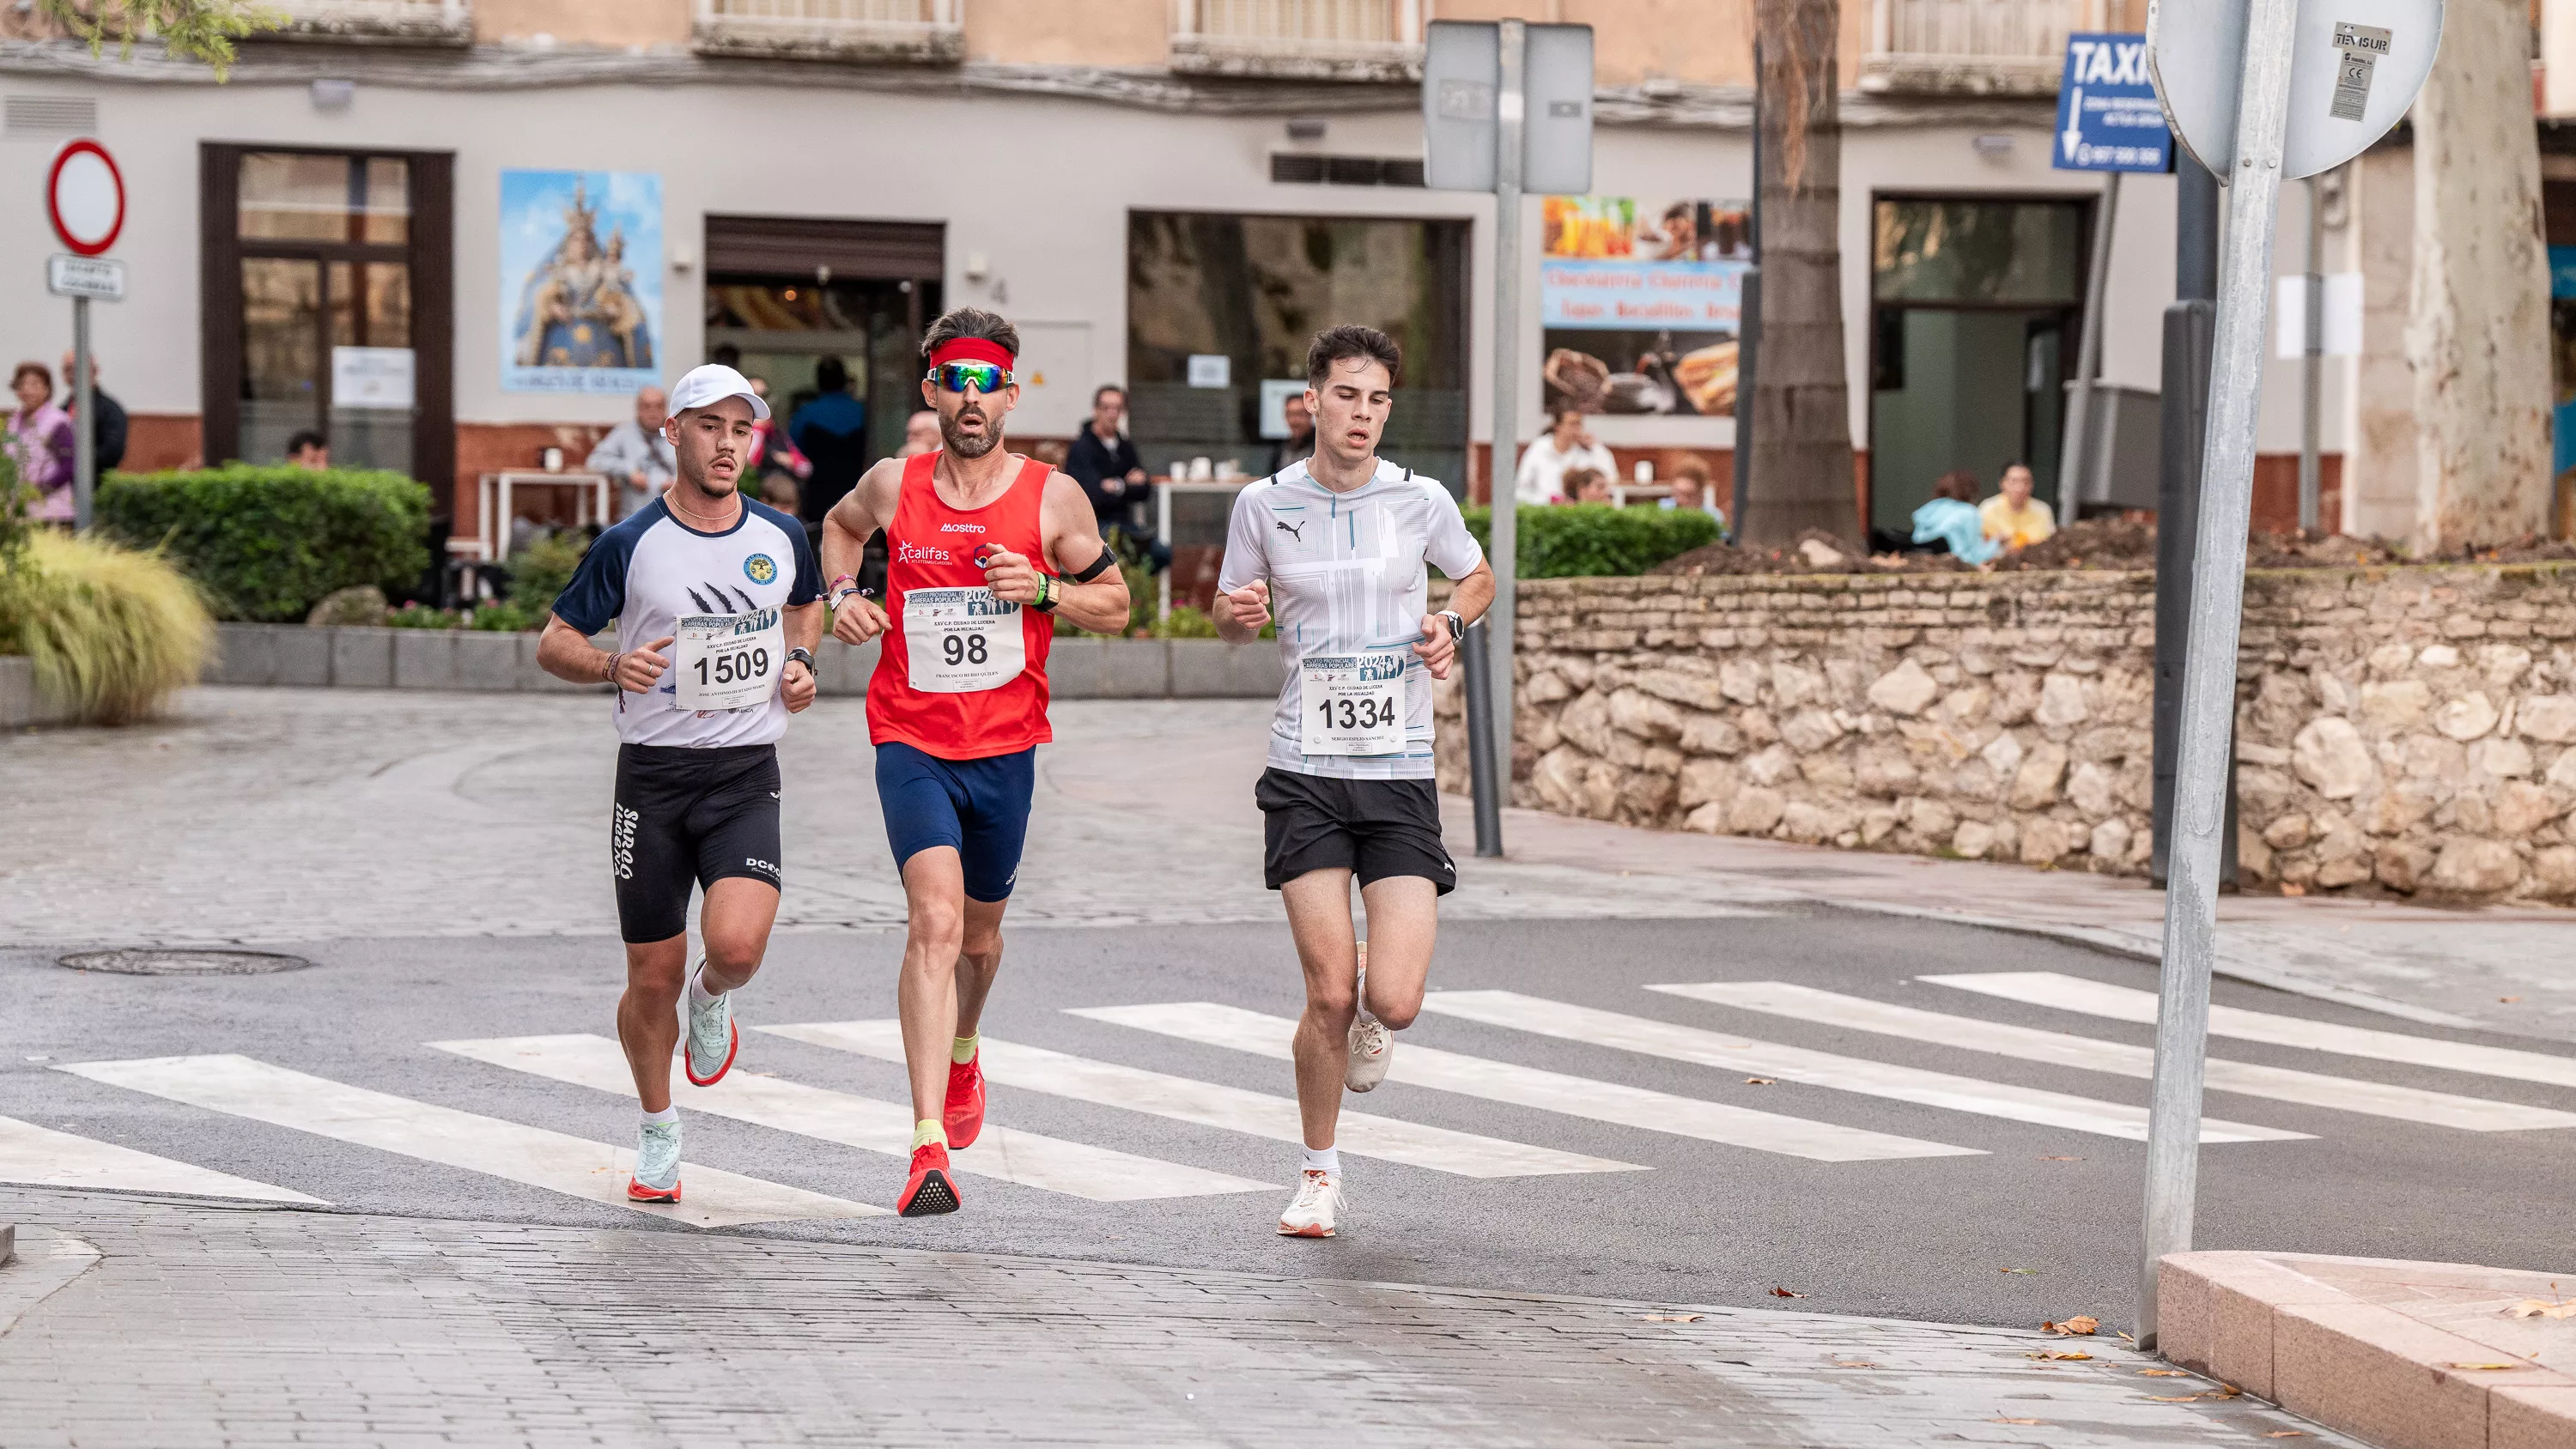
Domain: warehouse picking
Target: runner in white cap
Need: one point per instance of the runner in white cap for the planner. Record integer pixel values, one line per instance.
(1335, 547)
(718, 606)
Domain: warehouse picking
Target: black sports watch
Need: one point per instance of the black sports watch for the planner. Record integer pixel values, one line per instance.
(801, 655)
(1457, 626)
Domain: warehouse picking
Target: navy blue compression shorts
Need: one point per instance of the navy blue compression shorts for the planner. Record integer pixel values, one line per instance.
(979, 808)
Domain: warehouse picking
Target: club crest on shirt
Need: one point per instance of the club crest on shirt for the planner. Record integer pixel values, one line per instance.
(760, 568)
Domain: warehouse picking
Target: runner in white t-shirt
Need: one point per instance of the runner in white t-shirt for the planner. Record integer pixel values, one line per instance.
(718, 605)
(1335, 548)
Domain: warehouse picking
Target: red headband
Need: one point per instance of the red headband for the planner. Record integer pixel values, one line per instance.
(971, 349)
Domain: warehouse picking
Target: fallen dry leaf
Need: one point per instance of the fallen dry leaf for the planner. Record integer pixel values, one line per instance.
(2016, 1270)
(2173, 1398)
(1853, 1363)
(2535, 1308)
(2016, 1421)
(2285, 1433)
(1760, 1082)
(2163, 1374)
(2508, 1000)
(2290, 888)
(2486, 1366)
(2080, 1323)
(1785, 1293)
(2058, 1354)
(1675, 1317)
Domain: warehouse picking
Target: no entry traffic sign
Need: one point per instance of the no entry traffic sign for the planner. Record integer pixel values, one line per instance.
(85, 198)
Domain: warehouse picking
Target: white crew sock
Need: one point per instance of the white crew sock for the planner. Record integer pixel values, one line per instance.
(666, 1115)
(699, 995)
(1326, 1160)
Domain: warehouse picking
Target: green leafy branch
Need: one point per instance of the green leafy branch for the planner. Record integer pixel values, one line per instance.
(197, 29)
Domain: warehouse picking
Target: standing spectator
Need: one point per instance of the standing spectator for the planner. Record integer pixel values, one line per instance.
(1299, 445)
(40, 439)
(832, 430)
(1951, 520)
(920, 434)
(635, 455)
(774, 460)
(309, 451)
(2012, 517)
(107, 437)
(1103, 460)
(1564, 445)
(1586, 485)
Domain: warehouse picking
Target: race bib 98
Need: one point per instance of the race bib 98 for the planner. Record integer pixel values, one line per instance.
(729, 661)
(958, 641)
(1353, 704)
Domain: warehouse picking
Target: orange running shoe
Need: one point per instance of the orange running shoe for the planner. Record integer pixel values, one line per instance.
(964, 1116)
(928, 1192)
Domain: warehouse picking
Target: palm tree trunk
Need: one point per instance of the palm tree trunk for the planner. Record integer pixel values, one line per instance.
(1802, 455)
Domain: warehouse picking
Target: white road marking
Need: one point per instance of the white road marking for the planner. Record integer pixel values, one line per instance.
(555, 1161)
(34, 1156)
(1422, 1066)
(1209, 1104)
(2121, 1003)
(2030, 1044)
(1730, 1052)
(1097, 1173)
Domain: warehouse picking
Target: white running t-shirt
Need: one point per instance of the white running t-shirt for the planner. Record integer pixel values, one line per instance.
(1347, 577)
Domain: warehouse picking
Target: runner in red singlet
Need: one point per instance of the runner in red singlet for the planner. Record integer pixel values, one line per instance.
(985, 549)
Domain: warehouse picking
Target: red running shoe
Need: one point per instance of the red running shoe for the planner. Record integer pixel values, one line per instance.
(928, 1192)
(964, 1116)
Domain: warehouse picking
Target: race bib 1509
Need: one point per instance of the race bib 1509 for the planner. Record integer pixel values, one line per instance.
(729, 661)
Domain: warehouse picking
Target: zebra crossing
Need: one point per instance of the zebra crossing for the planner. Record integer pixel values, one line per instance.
(1165, 1110)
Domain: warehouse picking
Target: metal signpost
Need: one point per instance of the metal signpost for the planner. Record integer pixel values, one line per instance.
(85, 199)
(2107, 120)
(2260, 91)
(1506, 106)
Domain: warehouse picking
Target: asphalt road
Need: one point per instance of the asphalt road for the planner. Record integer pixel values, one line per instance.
(1924, 1237)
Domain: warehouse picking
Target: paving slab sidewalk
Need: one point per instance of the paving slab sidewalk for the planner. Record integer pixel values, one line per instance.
(197, 1325)
(2406, 1355)
(2494, 968)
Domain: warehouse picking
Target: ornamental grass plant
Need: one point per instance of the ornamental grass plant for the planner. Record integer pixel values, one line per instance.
(112, 631)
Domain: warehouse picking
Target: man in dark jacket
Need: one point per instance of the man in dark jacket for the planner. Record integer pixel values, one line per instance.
(831, 430)
(107, 436)
(1103, 460)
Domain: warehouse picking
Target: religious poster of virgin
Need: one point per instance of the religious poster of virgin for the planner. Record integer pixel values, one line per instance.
(1639, 304)
(581, 281)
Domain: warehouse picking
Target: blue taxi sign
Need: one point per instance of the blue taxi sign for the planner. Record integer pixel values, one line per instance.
(2108, 117)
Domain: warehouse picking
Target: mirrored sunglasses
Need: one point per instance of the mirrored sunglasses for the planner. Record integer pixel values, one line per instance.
(987, 377)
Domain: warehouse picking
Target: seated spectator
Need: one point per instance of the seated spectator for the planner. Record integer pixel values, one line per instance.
(1950, 519)
(1546, 473)
(2012, 517)
(920, 434)
(636, 455)
(308, 450)
(1586, 485)
(1693, 488)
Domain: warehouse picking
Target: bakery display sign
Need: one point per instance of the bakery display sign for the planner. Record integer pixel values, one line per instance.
(1640, 304)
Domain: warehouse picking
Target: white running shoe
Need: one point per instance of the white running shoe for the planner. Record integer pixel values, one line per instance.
(1372, 1051)
(657, 1163)
(712, 1037)
(1317, 1208)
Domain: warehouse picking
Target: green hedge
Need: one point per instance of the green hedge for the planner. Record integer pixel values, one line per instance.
(268, 543)
(1594, 540)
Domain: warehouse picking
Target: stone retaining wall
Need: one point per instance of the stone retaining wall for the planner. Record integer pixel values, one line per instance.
(2401, 729)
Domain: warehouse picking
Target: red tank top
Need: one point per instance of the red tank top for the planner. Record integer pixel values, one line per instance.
(961, 675)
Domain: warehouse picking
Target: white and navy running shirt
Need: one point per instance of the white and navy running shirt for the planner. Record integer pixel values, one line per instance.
(651, 569)
(1346, 575)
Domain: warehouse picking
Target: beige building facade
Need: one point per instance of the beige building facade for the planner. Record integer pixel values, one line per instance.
(1148, 186)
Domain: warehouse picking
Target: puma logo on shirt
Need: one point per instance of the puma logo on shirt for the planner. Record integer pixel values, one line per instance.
(1298, 533)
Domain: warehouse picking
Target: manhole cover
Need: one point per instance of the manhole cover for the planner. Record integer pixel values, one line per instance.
(157, 962)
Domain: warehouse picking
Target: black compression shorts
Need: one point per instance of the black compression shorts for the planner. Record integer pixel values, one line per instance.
(687, 814)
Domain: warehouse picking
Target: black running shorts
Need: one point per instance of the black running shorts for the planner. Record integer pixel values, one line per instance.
(1372, 828)
(687, 814)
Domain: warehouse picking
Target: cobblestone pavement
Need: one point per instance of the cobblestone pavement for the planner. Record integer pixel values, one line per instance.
(299, 815)
(201, 1326)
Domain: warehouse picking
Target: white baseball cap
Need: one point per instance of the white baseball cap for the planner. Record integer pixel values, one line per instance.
(713, 383)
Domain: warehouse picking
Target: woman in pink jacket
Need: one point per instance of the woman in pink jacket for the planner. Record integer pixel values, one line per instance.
(40, 439)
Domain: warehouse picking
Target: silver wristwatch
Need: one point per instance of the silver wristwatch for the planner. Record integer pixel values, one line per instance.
(1457, 626)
